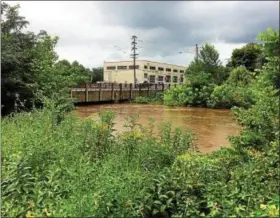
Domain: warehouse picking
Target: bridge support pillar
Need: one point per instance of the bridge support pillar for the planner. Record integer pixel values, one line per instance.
(86, 100)
(130, 91)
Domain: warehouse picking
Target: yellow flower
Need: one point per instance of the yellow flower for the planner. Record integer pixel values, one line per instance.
(46, 212)
(273, 211)
(138, 134)
(263, 206)
(29, 214)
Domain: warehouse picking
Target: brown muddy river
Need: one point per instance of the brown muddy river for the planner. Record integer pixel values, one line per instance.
(212, 126)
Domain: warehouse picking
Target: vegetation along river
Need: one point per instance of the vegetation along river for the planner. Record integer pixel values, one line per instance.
(212, 126)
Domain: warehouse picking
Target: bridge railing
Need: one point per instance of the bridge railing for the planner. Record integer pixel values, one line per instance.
(123, 86)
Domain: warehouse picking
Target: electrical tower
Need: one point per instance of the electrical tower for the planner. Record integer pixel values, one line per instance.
(134, 54)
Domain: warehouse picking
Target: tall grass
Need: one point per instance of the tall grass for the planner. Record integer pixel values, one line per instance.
(77, 167)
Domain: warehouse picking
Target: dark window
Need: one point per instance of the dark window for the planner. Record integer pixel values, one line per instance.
(152, 68)
(168, 69)
(174, 79)
(160, 78)
(122, 67)
(160, 69)
(131, 67)
(182, 79)
(181, 71)
(111, 68)
(167, 79)
(175, 71)
(152, 79)
(145, 75)
(145, 67)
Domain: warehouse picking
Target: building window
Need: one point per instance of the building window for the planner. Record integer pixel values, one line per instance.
(160, 68)
(175, 79)
(145, 67)
(168, 70)
(167, 79)
(175, 71)
(132, 67)
(145, 75)
(152, 78)
(182, 79)
(111, 68)
(122, 67)
(152, 68)
(181, 71)
(160, 78)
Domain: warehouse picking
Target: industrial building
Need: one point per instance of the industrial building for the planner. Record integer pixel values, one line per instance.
(146, 72)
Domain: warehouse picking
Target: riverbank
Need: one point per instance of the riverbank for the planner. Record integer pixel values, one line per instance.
(89, 171)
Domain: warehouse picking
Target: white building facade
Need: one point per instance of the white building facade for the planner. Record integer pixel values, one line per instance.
(146, 72)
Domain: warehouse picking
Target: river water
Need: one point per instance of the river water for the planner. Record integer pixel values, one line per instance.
(212, 126)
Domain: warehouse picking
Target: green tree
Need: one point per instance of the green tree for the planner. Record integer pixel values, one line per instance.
(209, 56)
(81, 73)
(196, 74)
(16, 59)
(207, 68)
(250, 56)
(97, 74)
(30, 67)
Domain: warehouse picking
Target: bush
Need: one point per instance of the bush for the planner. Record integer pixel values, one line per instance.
(156, 98)
(236, 91)
(141, 100)
(185, 95)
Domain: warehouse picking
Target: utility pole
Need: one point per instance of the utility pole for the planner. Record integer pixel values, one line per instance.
(134, 55)
(196, 51)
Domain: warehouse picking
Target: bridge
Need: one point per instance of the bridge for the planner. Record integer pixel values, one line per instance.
(113, 92)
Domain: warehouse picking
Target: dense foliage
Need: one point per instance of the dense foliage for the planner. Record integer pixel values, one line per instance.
(79, 167)
(235, 91)
(250, 56)
(212, 85)
(203, 74)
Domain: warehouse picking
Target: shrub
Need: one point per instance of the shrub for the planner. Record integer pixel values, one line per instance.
(187, 95)
(156, 98)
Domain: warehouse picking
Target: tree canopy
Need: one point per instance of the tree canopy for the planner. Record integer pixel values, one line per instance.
(30, 66)
(249, 56)
(207, 68)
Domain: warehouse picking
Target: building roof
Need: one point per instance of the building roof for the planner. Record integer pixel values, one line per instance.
(144, 61)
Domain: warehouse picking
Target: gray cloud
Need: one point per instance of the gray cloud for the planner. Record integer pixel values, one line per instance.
(89, 31)
(188, 23)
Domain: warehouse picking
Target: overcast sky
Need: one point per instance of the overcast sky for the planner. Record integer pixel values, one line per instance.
(89, 31)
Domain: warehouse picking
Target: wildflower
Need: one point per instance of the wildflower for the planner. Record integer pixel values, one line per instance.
(46, 212)
(263, 206)
(138, 134)
(273, 211)
(29, 214)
